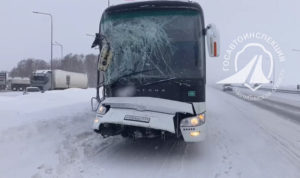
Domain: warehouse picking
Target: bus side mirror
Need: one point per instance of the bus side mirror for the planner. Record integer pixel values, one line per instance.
(213, 41)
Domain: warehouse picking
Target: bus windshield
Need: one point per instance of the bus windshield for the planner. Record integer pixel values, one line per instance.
(163, 43)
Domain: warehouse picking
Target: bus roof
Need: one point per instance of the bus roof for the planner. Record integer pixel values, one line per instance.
(154, 5)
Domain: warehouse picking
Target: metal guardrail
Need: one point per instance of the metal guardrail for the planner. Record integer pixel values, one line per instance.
(283, 90)
(277, 90)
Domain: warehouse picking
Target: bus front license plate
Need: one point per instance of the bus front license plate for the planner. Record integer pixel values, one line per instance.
(137, 118)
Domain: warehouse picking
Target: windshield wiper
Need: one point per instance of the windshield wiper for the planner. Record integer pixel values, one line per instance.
(167, 80)
(129, 75)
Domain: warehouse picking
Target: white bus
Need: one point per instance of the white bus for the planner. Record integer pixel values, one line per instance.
(153, 61)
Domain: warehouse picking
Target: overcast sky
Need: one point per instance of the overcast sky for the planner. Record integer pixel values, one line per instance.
(24, 34)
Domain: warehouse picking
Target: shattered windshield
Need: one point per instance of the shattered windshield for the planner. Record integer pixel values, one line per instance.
(164, 43)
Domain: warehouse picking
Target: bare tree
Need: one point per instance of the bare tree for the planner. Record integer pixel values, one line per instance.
(27, 66)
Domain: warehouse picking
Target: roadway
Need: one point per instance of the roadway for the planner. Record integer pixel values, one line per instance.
(245, 139)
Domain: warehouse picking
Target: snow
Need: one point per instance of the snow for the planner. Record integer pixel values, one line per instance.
(25, 108)
(49, 135)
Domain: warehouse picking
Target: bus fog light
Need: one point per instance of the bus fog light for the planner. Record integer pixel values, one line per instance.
(195, 133)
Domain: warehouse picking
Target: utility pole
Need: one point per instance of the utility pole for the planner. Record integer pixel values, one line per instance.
(51, 43)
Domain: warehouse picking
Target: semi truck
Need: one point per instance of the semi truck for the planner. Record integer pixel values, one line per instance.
(19, 83)
(60, 79)
(3, 80)
(153, 62)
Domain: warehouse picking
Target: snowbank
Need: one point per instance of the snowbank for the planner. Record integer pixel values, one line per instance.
(16, 108)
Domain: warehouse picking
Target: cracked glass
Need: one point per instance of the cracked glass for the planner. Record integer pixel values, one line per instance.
(163, 43)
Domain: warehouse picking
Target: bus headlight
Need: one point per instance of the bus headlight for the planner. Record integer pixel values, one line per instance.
(102, 110)
(193, 121)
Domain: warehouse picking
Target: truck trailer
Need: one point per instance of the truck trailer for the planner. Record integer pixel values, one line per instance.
(19, 83)
(153, 61)
(60, 79)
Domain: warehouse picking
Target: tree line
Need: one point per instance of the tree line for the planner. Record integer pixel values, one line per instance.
(71, 62)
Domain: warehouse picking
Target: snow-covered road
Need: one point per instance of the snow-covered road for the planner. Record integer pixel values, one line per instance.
(41, 139)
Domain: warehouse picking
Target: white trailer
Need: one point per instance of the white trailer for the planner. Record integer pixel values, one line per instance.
(61, 79)
(64, 79)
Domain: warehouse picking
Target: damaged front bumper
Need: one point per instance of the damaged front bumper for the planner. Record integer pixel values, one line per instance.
(144, 119)
(114, 121)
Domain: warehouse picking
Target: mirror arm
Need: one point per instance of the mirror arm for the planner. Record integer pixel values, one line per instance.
(206, 29)
(98, 82)
(98, 40)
